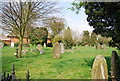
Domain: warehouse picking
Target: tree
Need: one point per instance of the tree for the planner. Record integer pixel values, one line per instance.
(38, 35)
(76, 37)
(93, 39)
(58, 39)
(17, 17)
(86, 38)
(102, 19)
(68, 40)
(55, 25)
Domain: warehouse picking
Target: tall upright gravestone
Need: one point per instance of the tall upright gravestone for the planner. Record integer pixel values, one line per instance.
(98, 47)
(56, 50)
(115, 67)
(62, 48)
(99, 69)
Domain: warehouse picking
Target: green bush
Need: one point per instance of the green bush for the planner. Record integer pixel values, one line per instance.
(58, 38)
(49, 45)
(16, 44)
(68, 39)
(26, 45)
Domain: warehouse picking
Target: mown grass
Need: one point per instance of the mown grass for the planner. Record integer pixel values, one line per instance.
(74, 64)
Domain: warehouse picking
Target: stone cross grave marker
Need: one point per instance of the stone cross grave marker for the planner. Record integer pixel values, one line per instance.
(99, 69)
(56, 50)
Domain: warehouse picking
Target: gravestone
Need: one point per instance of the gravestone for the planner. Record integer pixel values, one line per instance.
(73, 48)
(24, 51)
(98, 47)
(99, 69)
(12, 44)
(62, 48)
(56, 50)
(115, 67)
(1, 45)
(40, 49)
(104, 47)
(44, 44)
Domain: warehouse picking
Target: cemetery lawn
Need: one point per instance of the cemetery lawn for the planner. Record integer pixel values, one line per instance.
(74, 64)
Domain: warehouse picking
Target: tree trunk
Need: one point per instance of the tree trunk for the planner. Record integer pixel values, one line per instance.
(20, 47)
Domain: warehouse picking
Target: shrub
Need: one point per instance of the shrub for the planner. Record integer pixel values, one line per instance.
(16, 44)
(68, 40)
(49, 45)
(58, 39)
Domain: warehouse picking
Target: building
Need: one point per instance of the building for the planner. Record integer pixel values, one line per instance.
(5, 38)
(8, 39)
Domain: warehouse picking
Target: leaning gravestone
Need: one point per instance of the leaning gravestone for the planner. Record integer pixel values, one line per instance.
(62, 48)
(44, 44)
(56, 50)
(12, 44)
(99, 69)
(115, 68)
(1, 45)
(98, 46)
(104, 47)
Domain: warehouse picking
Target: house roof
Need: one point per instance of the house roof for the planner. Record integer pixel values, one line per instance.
(3, 37)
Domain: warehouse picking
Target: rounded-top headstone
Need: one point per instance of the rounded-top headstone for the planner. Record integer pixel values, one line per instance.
(56, 50)
(99, 69)
(39, 47)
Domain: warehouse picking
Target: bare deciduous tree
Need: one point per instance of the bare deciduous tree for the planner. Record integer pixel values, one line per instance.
(19, 17)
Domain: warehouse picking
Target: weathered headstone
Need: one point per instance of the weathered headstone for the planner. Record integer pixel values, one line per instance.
(99, 69)
(12, 44)
(98, 47)
(1, 45)
(104, 47)
(115, 67)
(56, 50)
(44, 44)
(62, 48)
(39, 47)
